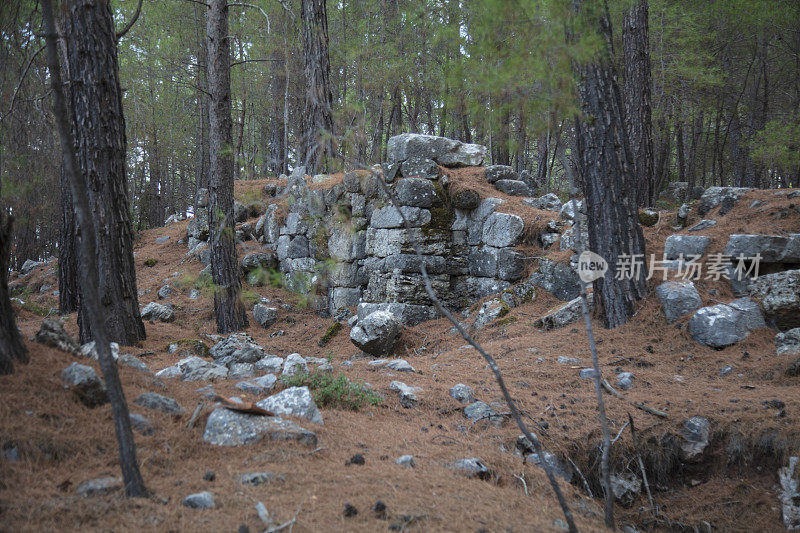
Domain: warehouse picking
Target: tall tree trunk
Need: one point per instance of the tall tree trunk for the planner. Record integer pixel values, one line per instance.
(228, 307)
(318, 142)
(681, 151)
(203, 160)
(606, 166)
(638, 111)
(95, 18)
(277, 150)
(68, 290)
(98, 125)
(11, 346)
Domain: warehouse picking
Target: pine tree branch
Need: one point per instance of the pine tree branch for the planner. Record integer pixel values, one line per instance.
(130, 24)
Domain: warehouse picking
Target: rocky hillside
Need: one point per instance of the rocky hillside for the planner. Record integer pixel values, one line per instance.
(348, 405)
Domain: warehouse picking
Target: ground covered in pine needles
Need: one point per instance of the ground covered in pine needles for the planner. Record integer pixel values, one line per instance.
(61, 443)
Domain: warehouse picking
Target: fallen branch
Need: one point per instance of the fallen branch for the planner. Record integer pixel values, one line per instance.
(521, 477)
(196, 414)
(646, 408)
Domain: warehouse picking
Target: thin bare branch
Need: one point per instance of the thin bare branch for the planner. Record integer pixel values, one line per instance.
(19, 83)
(130, 24)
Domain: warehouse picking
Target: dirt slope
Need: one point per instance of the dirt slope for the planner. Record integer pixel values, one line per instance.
(61, 443)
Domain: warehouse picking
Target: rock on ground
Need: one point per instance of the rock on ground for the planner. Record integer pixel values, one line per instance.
(83, 381)
(788, 343)
(377, 333)
(719, 325)
(157, 311)
(99, 487)
(294, 364)
(157, 402)
(779, 296)
(678, 298)
(230, 428)
(294, 401)
(695, 433)
(51, 333)
(462, 393)
(200, 500)
(566, 314)
(408, 394)
(472, 467)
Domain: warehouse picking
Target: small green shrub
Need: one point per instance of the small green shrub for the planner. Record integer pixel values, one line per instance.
(330, 391)
(150, 262)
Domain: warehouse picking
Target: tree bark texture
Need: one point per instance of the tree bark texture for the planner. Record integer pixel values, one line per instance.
(318, 142)
(98, 127)
(97, 16)
(228, 307)
(11, 346)
(638, 110)
(68, 288)
(606, 166)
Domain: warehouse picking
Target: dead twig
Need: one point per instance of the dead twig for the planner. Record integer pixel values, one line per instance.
(521, 477)
(615, 439)
(578, 470)
(646, 408)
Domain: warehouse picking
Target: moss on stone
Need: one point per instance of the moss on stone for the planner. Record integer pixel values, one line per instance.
(330, 333)
(648, 217)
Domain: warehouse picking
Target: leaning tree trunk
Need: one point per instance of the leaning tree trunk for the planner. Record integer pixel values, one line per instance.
(96, 18)
(606, 168)
(11, 346)
(638, 110)
(228, 307)
(98, 126)
(317, 143)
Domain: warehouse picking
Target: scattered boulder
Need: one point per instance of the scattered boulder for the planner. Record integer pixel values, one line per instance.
(157, 402)
(462, 393)
(231, 428)
(259, 478)
(29, 266)
(625, 380)
(718, 326)
(99, 487)
(565, 314)
(696, 433)
(703, 224)
(270, 363)
(241, 370)
(377, 333)
(626, 488)
(677, 246)
(142, 424)
(51, 333)
(678, 298)
(258, 385)
(294, 364)
(126, 359)
(164, 292)
(771, 248)
(478, 411)
(188, 348)
(89, 350)
(779, 296)
(265, 316)
(83, 381)
(157, 311)
(751, 313)
(472, 467)
(237, 348)
(200, 500)
(400, 365)
(408, 394)
(465, 199)
(788, 343)
(294, 401)
(195, 369)
(559, 469)
(489, 312)
(713, 197)
(406, 460)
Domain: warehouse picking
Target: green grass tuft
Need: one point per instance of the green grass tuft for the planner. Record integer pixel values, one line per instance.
(330, 391)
